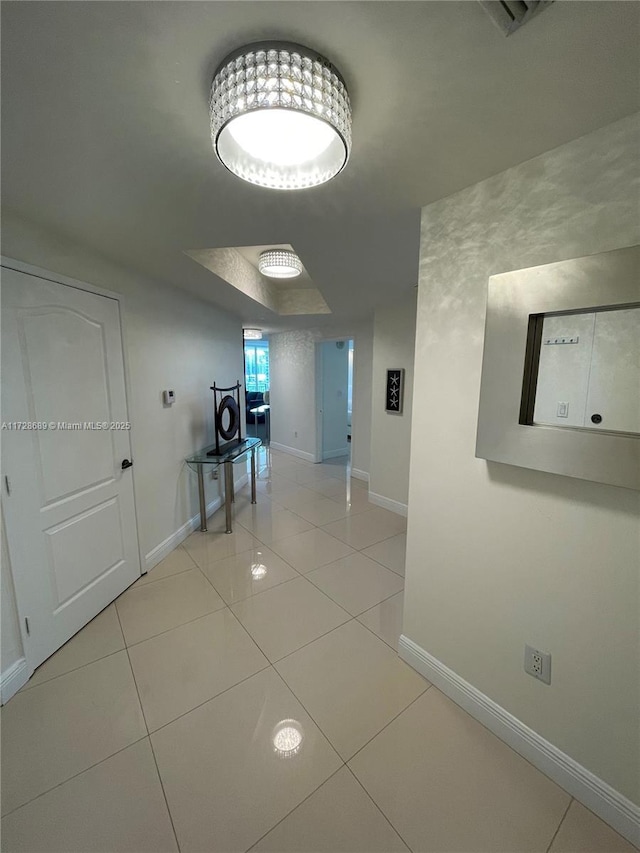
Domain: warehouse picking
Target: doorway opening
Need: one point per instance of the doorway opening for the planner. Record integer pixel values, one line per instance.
(334, 400)
(256, 378)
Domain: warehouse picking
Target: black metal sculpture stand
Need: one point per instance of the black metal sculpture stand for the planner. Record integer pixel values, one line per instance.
(230, 404)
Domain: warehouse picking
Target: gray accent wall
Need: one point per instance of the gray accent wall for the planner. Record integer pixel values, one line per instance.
(499, 556)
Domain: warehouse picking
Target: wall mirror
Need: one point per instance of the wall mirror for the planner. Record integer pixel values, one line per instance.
(560, 387)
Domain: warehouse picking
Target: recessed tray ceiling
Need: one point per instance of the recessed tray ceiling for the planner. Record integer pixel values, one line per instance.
(238, 266)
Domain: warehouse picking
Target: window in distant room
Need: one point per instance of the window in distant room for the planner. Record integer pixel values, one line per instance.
(256, 365)
(256, 377)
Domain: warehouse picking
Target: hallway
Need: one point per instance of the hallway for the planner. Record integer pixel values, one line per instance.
(246, 694)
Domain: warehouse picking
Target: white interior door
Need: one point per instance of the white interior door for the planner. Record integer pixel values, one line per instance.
(69, 506)
(614, 379)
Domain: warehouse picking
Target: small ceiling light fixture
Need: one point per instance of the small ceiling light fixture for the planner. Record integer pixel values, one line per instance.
(280, 116)
(252, 334)
(279, 263)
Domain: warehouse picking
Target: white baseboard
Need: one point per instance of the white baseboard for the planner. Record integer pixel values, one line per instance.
(596, 794)
(13, 678)
(333, 454)
(357, 474)
(387, 503)
(167, 545)
(292, 451)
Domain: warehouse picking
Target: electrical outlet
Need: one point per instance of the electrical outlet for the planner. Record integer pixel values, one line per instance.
(537, 664)
(214, 474)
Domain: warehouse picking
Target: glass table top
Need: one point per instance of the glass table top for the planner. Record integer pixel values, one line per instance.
(227, 454)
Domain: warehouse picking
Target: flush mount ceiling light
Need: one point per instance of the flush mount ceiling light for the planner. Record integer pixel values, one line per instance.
(252, 334)
(279, 263)
(280, 116)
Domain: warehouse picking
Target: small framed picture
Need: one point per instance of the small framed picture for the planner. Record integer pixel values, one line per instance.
(394, 391)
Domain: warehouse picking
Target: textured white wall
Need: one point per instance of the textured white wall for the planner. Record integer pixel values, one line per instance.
(499, 556)
(172, 340)
(292, 372)
(394, 334)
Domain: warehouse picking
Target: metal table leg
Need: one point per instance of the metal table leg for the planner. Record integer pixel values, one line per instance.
(253, 475)
(228, 494)
(203, 506)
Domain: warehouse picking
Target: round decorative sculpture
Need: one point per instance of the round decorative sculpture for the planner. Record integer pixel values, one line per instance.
(228, 404)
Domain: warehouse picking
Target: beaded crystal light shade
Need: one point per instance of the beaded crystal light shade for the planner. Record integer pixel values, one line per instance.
(279, 263)
(280, 116)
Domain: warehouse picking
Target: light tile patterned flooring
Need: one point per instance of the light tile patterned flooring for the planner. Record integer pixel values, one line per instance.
(155, 728)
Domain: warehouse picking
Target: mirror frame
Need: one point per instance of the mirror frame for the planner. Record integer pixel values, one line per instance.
(509, 367)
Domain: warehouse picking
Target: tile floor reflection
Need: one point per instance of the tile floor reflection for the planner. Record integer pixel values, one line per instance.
(246, 694)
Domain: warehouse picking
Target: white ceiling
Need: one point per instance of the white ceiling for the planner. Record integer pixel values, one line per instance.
(105, 132)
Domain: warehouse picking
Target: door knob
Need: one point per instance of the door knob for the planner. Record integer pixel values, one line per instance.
(126, 463)
(596, 419)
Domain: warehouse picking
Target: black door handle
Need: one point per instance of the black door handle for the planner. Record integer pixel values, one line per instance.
(596, 419)
(126, 463)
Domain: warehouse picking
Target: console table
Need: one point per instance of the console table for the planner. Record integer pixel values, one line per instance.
(264, 409)
(227, 458)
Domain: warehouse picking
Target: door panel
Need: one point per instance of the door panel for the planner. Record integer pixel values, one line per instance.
(57, 344)
(70, 512)
(84, 549)
(615, 367)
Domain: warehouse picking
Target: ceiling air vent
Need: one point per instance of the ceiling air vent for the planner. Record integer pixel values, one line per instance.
(510, 15)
